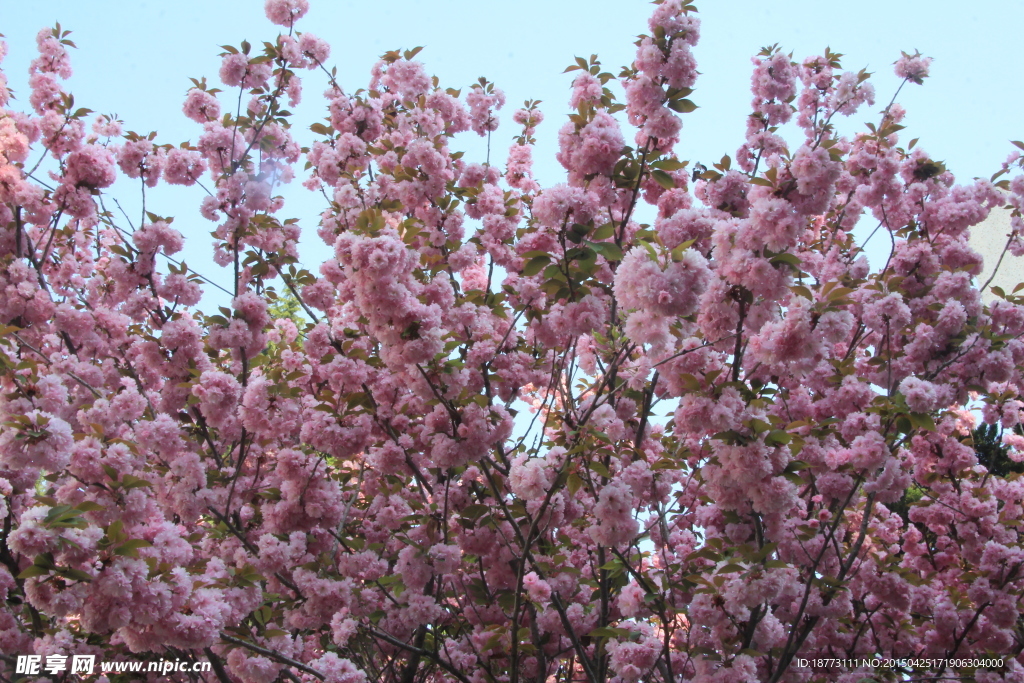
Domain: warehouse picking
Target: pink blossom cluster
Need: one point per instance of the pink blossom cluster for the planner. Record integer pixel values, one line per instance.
(664, 66)
(653, 422)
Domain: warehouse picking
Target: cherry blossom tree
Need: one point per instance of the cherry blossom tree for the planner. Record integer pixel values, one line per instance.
(660, 422)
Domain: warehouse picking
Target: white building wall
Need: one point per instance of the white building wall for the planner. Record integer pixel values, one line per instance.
(989, 239)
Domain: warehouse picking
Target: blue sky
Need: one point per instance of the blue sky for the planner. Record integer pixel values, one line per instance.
(135, 60)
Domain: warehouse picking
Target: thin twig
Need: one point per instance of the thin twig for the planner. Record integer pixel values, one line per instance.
(276, 656)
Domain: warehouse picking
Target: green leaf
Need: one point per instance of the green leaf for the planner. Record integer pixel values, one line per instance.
(579, 254)
(33, 570)
(130, 548)
(475, 511)
(320, 129)
(670, 164)
(609, 250)
(777, 437)
(132, 482)
(536, 264)
(922, 421)
(764, 552)
(802, 291)
(580, 229)
(789, 259)
(608, 632)
(553, 272)
(663, 179)
(650, 250)
(115, 532)
(682, 106)
(76, 574)
(677, 253)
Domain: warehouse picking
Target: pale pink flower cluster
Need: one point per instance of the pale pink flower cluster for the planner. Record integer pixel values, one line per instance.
(91, 167)
(614, 523)
(183, 166)
(630, 660)
(237, 70)
(519, 168)
(201, 106)
(564, 204)
(316, 49)
(141, 159)
(5, 93)
(913, 67)
(104, 126)
(380, 270)
(408, 79)
(922, 396)
(586, 88)
(482, 105)
(657, 293)
(43, 441)
(53, 57)
(592, 150)
(285, 12)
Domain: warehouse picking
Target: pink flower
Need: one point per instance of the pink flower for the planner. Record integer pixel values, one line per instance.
(815, 174)
(519, 168)
(913, 67)
(201, 106)
(537, 588)
(888, 313)
(218, 394)
(672, 290)
(614, 524)
(315, 48)
(140, 159)
(557, 205)
(594, 149)
(481, 108)
(530, 478)
(237, 70)
(13, 143)
(585, 88)
(285, 12)
(106, 127)
(631, 600)
(669, 17)
(183, 166)
(92, 167)
(53, 58)
(631, 660)
(774, 79)
(41, 441)
(158, 236)
(407, 79)
(680, 69)
(361, 483)
(922, 396)
(46, 92)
